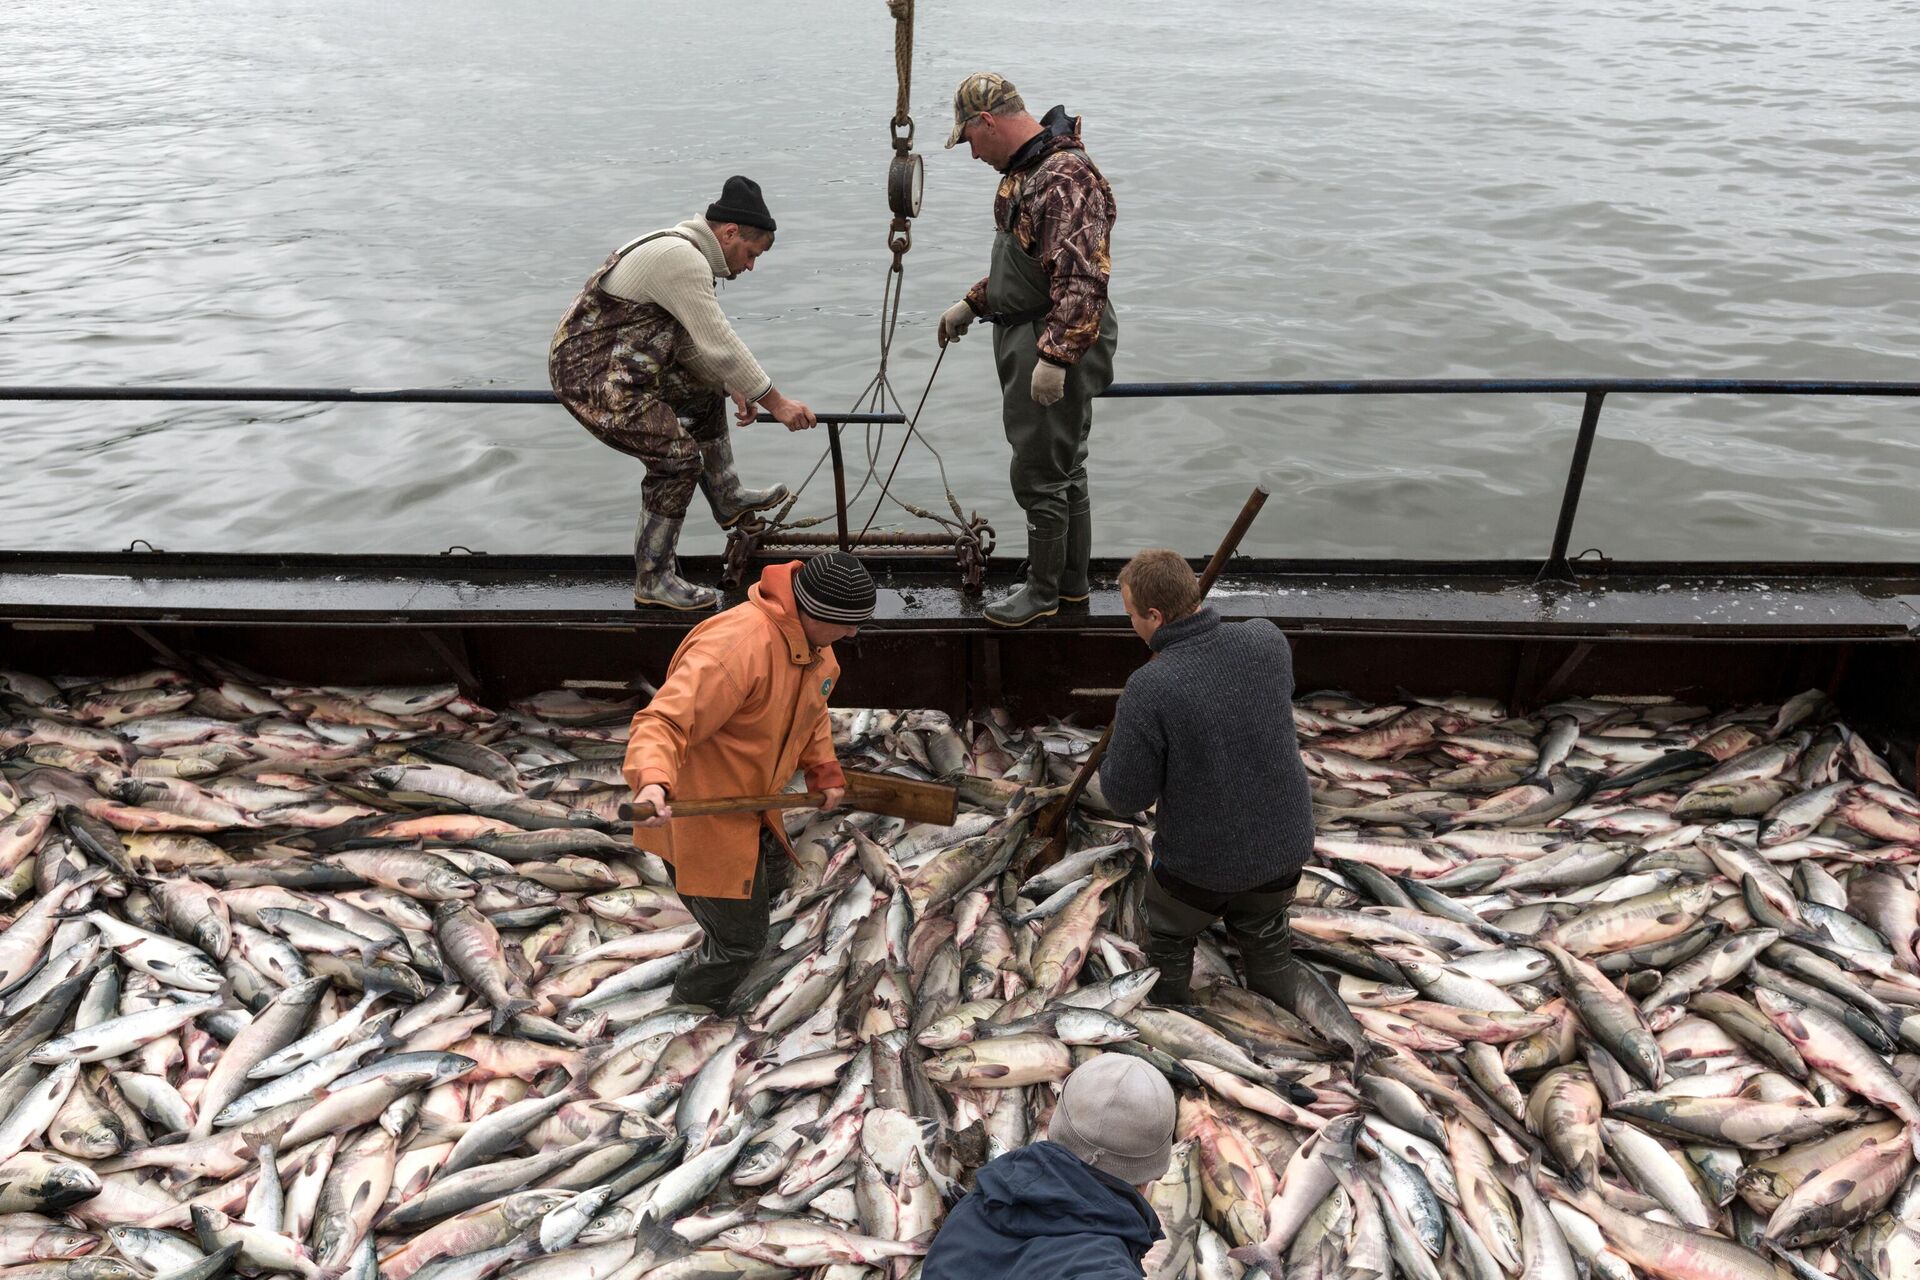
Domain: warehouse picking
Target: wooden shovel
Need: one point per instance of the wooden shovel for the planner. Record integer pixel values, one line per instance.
(885, 793)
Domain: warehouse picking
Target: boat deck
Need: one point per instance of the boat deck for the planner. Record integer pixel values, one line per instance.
(1751, 602)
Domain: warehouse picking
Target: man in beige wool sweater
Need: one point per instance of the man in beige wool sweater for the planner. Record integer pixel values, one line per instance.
(643, 358)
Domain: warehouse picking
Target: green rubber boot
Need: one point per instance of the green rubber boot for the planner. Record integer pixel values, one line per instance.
(1075, 585)
(1040, 597)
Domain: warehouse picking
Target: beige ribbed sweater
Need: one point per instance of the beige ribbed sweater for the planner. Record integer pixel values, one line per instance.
(677, 271)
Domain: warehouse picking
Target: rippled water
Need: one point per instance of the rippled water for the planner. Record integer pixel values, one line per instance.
(381, 194)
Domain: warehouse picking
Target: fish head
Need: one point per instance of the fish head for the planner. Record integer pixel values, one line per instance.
(452, 883)
(525, 1208)
(617, 1223)
(743, 1237)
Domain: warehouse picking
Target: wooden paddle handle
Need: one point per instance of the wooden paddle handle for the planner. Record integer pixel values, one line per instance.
(641, 812)
(1241, 523)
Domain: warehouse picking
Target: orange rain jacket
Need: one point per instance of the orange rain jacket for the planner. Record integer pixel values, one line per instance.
(743, 706)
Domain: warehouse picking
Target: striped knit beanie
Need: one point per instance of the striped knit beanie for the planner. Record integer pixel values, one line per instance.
(835, 587)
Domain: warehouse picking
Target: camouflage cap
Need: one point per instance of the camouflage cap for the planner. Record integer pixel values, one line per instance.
(982, 91)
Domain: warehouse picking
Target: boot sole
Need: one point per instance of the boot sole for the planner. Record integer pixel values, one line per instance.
(744, 512)
(638, 603)
(1067, 599)
(1014, 626)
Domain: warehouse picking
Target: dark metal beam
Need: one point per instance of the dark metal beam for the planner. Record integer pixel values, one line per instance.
(1118, 391)
(1512, 386)
(1556, 569)
(839, 486)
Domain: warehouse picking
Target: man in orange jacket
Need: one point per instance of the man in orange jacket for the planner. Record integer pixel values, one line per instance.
(744, 706)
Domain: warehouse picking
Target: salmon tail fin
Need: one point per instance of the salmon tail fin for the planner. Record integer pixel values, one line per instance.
(507, 1013)
(1262, 1256)
(1568, 1187)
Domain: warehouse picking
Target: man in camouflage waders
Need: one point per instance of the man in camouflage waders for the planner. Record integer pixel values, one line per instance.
(1054, 331)
(642, 359)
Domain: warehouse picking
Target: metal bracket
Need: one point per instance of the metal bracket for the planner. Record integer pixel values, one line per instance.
(1601, 562)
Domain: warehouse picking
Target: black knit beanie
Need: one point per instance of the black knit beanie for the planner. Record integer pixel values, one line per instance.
(740, 202)
(835, 587)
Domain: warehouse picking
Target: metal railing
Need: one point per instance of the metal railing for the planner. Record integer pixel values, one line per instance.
(1555, 568)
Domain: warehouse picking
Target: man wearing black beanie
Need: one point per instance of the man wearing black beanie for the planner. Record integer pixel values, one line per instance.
(644, 358)
(743, 707)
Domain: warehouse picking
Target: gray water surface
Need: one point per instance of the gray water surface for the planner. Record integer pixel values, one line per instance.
(410, 192)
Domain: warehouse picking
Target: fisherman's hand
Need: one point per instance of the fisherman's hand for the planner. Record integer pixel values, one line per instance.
(745, 412)
(831, 798)
(954, 321)
(791, 414)
(1049, 382)
(656, 795)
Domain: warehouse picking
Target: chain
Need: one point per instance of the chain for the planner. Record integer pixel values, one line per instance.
(899, 235)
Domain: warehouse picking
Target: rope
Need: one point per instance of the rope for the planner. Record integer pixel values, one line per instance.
(902, 11)
(912, 425)
(875, 396)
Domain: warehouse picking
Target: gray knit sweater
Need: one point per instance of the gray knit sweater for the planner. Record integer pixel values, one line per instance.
(1206, 730)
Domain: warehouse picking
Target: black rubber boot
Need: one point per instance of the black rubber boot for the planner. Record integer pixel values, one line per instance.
(656, 582)
(1173, 928)
(731, 501)
(1173, 957)
(1040, 597)
(1260, 929)
(1074, 584)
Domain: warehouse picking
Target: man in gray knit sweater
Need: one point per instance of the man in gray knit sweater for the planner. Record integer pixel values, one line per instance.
(1205, 733)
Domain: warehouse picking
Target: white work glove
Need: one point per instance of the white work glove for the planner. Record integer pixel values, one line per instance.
(954, 321)
(1049, 382)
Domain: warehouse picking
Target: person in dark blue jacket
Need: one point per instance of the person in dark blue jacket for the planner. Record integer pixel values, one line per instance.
(1069, 1208)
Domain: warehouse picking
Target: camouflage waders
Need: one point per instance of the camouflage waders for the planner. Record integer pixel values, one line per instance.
(619, 367)
(616, 365)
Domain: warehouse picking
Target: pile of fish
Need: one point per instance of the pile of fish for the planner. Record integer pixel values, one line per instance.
(326, 982)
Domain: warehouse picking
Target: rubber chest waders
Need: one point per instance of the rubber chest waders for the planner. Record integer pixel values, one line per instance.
(1049, 471)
